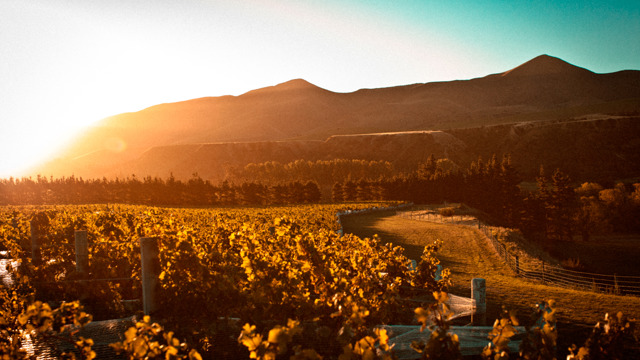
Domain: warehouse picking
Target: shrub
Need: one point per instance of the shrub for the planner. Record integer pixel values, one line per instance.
(447, 212)
(572, 263)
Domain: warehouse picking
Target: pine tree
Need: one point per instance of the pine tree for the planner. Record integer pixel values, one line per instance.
(227, 194)
(296, 192)
(475, 183)
(278, 194)
(558, 199)
(312, 192)
(427, 168)
(363, 190)
(336, 192)
(533, 216)
(509, 194)
(349, 190)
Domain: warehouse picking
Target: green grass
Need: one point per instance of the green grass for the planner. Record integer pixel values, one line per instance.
(468, 255)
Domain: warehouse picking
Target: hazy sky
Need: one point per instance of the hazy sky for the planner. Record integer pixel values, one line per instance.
(67, 63)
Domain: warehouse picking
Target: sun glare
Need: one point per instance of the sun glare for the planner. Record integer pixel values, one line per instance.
(69, 66)
(115, 144)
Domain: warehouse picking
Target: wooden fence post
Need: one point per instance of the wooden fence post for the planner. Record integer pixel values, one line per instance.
(36, 256)
(82, 252)
(543, 279)
(149, 255)
(517, 265)
(479, 294)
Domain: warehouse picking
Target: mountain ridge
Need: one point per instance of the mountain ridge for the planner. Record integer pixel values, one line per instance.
(545, 65)
(291, 85)
(542, 89)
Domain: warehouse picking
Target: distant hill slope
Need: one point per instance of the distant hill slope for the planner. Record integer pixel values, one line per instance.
(593, 149)
(191, 133)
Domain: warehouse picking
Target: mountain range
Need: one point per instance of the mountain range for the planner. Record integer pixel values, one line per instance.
(543, 112)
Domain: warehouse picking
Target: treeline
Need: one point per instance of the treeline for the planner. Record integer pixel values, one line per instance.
(600, 210)
(323, 172)
(267, 183)
(554, 210)
(152, 191)
(491, 185)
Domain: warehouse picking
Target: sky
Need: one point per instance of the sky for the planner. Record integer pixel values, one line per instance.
(66, 64)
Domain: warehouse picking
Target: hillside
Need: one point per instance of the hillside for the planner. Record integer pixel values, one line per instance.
(586, 149)
(208, 134)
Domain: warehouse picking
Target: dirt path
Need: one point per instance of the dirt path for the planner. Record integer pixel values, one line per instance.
(468, 254)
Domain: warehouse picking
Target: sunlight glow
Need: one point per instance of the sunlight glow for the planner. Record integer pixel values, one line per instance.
(65, 67)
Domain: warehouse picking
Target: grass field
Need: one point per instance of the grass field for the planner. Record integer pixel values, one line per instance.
(468, 255)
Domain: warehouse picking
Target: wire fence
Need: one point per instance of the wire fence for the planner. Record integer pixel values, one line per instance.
(538, 270)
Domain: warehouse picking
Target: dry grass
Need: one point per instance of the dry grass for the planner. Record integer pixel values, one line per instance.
(468, 255)
(516, 244)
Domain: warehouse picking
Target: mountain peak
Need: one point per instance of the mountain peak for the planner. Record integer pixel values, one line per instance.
(295, 84)
(291, 85)
(545, 65)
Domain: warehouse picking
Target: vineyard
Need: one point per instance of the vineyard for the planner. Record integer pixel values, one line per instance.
(285, 278)
(262, 266)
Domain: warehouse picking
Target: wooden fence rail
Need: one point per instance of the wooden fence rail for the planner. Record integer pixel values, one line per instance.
(540, 271)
